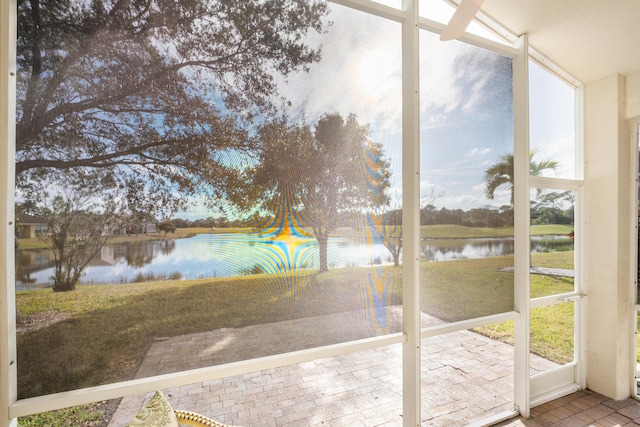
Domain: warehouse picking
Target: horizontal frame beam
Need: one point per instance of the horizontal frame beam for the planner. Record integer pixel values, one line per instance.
(462, 325)
(67, 399)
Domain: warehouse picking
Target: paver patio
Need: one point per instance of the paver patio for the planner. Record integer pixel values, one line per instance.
(465, 376)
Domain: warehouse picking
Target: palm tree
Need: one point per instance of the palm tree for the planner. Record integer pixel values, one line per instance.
(502, 173)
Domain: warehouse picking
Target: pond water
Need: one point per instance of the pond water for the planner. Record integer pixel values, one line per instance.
(226, 255)
(450, 249)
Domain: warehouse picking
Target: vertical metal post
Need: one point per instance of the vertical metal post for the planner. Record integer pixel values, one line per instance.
(521, 225)
(8, 388)
(580, 279)
(411, 214)
(634, 136)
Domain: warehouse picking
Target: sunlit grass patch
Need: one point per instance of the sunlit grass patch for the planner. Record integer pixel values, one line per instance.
(464, 289)
(554, 260)
(551, 328)
(450, 231)
(547, 229)
(551, 332)
(112, 326)
(33, 244)
(84, 415)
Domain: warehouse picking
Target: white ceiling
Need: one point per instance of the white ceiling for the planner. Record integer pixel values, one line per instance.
(590, 39)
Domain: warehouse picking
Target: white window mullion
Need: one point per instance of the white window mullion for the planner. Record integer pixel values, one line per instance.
(580, 279)
(521, 225)
(634, 147)
(580, 311)
(8, 372)
(411, 215)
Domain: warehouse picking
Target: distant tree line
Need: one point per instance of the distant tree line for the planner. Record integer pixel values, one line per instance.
(341, 219)
(488, 216)
(549, 208)
(209, 222)
(553, 208)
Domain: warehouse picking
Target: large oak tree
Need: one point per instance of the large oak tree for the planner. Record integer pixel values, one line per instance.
(310, 179)
(153, 94)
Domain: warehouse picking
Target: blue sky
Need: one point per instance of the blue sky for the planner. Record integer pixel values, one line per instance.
(466, 104)
(469, 126)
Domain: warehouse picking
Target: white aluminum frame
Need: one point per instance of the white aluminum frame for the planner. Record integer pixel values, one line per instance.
(565, 379)
(570, 377)
(521, 233)
(633, 198)
(411, 371)
(8, 368)
(11, 408)
(145, 385)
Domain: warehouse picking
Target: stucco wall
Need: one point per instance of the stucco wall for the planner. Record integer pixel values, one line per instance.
(632, 98)
(608, 186)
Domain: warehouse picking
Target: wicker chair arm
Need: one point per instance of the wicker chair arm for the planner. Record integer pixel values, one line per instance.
(196, 420)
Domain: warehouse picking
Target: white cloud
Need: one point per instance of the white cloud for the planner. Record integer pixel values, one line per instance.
(475, 152)
(453, 77)
(360, 73)
(432, 120)
(479, 188)
(438, 89)
(462, 201)
(561, 149)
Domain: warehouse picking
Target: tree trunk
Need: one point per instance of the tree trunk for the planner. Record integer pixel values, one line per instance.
(64, 280)
(394, 249)
(322, 248)
(64, 285)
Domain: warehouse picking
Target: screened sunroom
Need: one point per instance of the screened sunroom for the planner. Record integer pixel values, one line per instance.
(300, 213)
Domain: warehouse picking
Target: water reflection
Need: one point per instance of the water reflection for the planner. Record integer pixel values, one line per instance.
(209, 255)
(226, 255)
(450, 249)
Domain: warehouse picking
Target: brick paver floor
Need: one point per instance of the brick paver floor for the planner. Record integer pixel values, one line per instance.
(581, 409)
(465, 376)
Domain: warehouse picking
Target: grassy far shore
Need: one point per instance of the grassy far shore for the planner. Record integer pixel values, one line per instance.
(180, 233)
(447, 231)
(426, 231)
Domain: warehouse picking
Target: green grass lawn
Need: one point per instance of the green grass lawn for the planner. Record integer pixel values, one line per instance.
(464, 289)
(447, 231)
(82, 415)
(111, 327)
(551, 327)
(541, 230)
